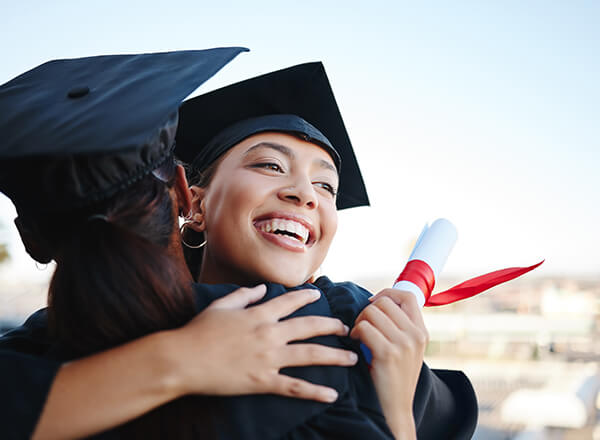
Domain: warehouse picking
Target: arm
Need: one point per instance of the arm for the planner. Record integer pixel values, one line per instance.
(227, 349)
(393, 328)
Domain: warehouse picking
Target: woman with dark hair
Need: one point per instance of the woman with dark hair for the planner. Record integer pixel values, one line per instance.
(87, 159)
(271, 163)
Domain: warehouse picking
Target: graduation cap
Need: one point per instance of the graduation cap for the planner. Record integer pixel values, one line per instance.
(297, 100)
(76, 131)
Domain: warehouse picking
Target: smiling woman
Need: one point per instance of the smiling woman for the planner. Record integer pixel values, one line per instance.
(266, 187)
(87, 159)
(276, 193)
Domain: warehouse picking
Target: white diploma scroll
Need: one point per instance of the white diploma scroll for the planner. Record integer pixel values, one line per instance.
(433, 247)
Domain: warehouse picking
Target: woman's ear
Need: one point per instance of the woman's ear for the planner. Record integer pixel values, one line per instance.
(197, 209)
(183, 193)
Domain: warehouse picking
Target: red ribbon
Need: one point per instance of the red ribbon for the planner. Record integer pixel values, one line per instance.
(418, 272)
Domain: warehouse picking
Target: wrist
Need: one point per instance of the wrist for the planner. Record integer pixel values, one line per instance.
(403, 426)
(167, 364)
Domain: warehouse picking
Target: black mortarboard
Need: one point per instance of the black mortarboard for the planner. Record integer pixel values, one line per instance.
(64, 122)
(297, 100)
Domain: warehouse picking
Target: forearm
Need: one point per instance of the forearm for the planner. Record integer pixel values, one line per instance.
(104, 390)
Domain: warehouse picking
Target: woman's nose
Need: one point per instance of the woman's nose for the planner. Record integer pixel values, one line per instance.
(301, 194)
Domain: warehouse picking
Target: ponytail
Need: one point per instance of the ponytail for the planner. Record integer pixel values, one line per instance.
(114, 282)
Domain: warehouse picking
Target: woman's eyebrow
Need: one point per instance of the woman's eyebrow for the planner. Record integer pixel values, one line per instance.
(324, 164)
(289, 153)
(277, 147)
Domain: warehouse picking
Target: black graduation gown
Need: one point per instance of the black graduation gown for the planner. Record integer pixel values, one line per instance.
(445, 406)
(25, 376)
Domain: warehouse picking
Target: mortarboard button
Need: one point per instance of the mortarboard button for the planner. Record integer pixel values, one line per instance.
(78, 92)
(79, 155)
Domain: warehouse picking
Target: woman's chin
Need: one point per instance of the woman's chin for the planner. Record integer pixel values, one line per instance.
(291, 280)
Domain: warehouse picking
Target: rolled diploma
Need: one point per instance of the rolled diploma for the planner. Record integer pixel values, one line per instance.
(433, 247)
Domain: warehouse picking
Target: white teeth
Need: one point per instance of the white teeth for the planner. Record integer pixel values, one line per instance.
(290, 226)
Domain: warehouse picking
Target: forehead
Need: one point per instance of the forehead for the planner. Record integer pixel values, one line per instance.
(297, 147)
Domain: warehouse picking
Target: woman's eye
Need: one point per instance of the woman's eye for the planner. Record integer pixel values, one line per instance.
(327, 187)
(269, 166)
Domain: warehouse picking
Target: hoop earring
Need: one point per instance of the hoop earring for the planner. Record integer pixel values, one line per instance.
(197, 246)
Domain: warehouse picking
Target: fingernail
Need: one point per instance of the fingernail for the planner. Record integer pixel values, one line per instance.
(315, 293)
(331, 395)
(260, 287)
(353, 357)
(346, 329)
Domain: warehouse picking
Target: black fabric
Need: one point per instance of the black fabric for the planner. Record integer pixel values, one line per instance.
(356, 414)
(129, 97)
(302, 90)
(239, 131)
(445, 406)
(25, 377)
(28, 381)
(95, 107)
(65, 184)
(449, 396)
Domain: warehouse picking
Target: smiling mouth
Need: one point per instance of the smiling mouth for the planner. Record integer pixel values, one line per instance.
(285, 227)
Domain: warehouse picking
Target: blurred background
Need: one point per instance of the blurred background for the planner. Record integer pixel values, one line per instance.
(485, 113)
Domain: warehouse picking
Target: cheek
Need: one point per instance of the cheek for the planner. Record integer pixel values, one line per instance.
(231, 201)
(331, 221)
(221, 201)
(329, 226)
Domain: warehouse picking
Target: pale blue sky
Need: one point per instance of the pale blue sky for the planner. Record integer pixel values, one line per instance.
(482, 112)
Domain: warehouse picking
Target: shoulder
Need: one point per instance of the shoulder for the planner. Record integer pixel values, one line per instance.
(31, 337)
(204, 294)
(346, 299)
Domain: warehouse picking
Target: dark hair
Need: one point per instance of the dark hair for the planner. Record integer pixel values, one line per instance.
(195, 177)
(115, 281)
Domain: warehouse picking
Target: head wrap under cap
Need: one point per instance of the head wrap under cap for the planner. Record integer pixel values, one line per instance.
(241, 130)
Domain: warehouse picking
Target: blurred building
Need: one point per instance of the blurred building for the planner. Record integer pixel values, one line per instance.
(531, 347)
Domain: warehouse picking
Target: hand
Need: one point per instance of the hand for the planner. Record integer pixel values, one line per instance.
(229, 349)
(392, 327)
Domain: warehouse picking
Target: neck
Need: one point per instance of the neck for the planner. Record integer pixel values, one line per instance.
(175, 251)
(224, 272)
(219, 275)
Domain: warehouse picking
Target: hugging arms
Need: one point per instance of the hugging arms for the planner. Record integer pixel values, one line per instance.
(278, 230)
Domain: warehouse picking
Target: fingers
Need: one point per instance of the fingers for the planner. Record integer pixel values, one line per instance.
(240, 298)
(310, 326)
(406, 301)
(292, 387)
(388, 330)
(287, 303)
(298, 355)
(388, 319)
(370, 336)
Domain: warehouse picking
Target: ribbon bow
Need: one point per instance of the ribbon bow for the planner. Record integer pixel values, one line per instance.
(419, 273)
